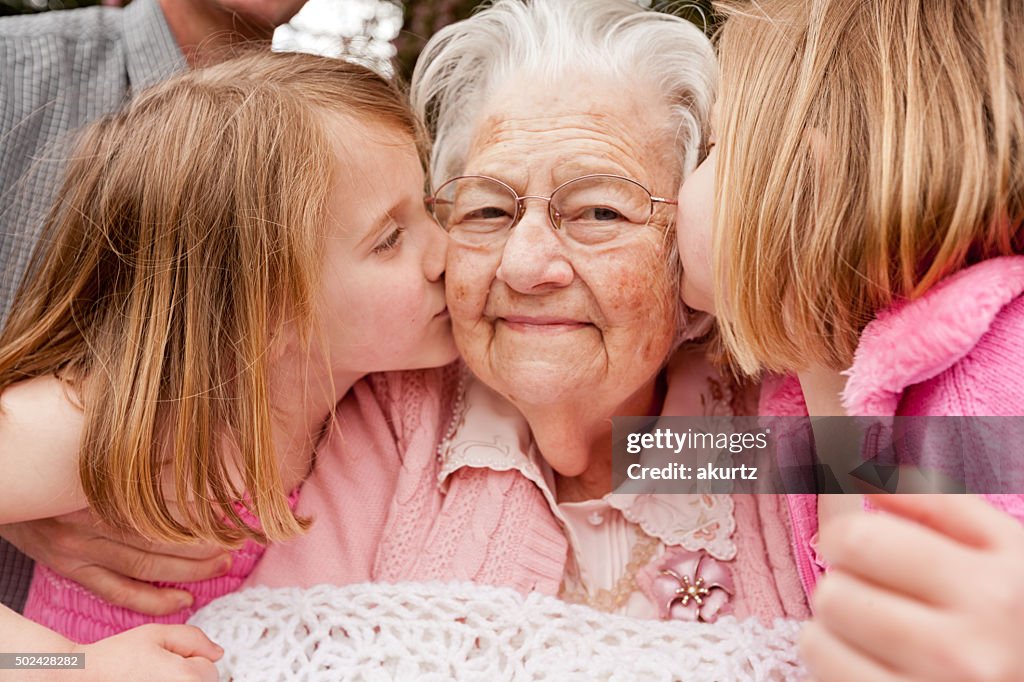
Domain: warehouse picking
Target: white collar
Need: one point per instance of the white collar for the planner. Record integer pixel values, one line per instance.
(488, 432)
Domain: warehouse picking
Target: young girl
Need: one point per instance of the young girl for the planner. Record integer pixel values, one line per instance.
(868, 209)
(229, 255)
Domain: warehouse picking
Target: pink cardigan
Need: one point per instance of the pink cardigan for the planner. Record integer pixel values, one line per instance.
(957, 350)
(379, 513)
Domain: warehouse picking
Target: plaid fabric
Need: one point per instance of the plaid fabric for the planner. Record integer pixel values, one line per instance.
(58, 71)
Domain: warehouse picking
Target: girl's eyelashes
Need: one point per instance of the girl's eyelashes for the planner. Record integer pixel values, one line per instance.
(391, 241)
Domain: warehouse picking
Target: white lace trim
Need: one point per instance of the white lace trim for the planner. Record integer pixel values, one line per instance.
(694, 522)
(458, 413)
(489, 433)
(436, 631)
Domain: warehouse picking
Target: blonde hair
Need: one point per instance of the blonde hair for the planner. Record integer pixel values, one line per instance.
(867, 150)
(188, 230)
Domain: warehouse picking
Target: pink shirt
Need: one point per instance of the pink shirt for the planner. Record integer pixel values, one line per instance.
(379, 513)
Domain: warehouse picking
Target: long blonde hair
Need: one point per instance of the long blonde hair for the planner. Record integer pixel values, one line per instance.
(188, 230)
(867, 150)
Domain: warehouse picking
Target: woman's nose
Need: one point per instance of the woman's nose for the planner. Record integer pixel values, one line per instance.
(533, 259)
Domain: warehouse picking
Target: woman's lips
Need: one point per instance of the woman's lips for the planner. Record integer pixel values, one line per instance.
(542, 325)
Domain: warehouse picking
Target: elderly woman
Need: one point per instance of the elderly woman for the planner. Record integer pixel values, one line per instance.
(559, 130)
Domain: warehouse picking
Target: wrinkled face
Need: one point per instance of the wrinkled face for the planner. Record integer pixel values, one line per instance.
(540, 319)
(381, 303)
(694, 216)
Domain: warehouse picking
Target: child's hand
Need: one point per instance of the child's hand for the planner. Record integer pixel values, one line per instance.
(932, 590)
(117, 566)
(175, 653)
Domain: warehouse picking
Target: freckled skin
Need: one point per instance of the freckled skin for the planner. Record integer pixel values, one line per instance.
(536, 138)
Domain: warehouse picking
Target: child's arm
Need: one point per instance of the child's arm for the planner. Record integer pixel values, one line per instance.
(18, 633)
(167, 652)
(40, 433)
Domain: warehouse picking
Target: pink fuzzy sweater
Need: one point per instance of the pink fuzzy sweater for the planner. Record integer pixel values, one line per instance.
(957, 350)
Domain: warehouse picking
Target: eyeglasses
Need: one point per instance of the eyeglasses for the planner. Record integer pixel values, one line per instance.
(481, 211)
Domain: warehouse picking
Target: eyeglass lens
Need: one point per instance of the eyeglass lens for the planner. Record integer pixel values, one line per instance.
(588, 210)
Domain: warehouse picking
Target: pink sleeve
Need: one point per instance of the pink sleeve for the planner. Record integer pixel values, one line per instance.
(348, 496)
(382, 443)
(768, 579)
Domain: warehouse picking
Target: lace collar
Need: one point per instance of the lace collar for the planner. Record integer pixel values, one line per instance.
(488, 432)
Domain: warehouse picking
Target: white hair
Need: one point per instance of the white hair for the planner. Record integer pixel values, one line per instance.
(554, 39)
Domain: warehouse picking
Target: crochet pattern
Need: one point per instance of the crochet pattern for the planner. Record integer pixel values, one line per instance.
(464, 631)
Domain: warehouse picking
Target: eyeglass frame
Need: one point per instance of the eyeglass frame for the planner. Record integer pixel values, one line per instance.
(432, 199)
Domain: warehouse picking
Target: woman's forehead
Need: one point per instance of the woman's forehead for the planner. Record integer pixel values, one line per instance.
(591, 125)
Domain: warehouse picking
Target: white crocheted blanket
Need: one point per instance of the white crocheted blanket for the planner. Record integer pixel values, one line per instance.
(435, 631)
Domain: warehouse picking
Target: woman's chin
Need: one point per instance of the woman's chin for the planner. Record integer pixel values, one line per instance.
(539, 384)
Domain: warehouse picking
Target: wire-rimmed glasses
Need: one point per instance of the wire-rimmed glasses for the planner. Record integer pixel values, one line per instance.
(481, 211)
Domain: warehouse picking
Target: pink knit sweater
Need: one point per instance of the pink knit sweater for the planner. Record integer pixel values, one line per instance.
(379, 514)
(958, 350)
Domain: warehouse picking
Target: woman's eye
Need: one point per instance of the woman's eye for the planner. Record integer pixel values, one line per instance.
(600, 214)
(486, 213)
(391, 241)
